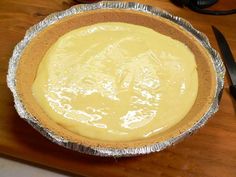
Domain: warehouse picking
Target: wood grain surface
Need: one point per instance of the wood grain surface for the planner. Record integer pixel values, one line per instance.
(210, 152)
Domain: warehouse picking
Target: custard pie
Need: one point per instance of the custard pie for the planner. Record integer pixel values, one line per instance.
(123, 80)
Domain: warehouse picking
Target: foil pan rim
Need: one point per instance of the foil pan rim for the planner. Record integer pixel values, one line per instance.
(101, 151)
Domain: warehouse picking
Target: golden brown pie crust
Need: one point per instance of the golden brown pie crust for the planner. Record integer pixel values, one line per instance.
(34, 52)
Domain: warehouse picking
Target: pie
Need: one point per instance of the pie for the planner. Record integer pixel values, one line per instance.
(115, 78)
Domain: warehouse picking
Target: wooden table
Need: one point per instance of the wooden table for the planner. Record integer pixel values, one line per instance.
(211, 152)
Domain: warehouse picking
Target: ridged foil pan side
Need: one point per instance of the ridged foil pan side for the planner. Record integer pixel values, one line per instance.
(100, 151)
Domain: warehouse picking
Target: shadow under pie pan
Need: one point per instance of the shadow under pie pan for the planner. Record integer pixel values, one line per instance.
(28, 53)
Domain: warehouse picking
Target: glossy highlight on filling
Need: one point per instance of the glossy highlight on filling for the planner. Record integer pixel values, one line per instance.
(116, 81)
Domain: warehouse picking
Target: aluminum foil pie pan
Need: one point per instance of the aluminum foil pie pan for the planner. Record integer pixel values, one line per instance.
(102, 151)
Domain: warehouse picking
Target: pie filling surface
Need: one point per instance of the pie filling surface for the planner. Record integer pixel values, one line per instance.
(116, 81)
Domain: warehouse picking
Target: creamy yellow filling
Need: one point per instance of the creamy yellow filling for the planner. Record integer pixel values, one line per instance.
(116, 81)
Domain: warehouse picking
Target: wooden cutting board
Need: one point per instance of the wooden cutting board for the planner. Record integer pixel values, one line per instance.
(211, 152)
